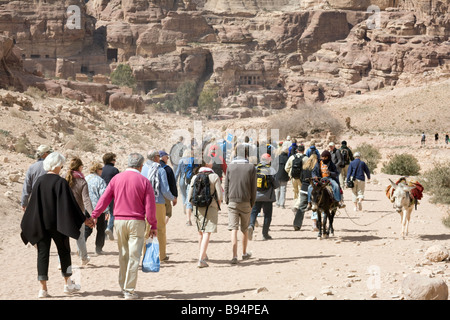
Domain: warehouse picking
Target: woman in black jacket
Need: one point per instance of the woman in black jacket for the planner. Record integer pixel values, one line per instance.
(283, 177)
(53, 213)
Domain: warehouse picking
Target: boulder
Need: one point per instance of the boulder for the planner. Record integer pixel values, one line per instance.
(417, 287)
(123, 101)
(436, 253)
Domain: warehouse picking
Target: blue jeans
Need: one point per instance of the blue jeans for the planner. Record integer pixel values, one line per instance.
(267, 208)
(336, 190)
(280, 193)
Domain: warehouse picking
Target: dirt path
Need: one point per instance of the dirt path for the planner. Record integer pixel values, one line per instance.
(365, 260)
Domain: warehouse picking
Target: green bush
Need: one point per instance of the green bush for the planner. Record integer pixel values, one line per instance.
(208, 102)
(436, 182)
(184, 98)
(403, 165)
(123, 76)
(370, 155)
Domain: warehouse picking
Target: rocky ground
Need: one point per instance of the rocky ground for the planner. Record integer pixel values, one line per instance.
(295, 265)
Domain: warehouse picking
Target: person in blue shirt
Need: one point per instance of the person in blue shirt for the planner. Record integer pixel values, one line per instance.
(157, 176)
(358, 169)
(312, 149)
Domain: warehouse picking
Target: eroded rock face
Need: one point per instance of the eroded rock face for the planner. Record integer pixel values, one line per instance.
(261, 54)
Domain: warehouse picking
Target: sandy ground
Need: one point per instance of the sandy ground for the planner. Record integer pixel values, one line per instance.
(366, 259)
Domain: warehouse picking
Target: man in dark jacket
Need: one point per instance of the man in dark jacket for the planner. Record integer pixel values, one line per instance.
(347, 157)
(336, 157)
(357, 170)
(282, 177)
(164, 159)
(265, 197)
(108, 172)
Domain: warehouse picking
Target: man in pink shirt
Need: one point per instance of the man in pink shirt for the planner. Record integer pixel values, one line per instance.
(134, 202)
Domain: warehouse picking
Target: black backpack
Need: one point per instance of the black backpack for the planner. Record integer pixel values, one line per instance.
(345, 156)
(297, 167)
(201, 195)
(263, 181)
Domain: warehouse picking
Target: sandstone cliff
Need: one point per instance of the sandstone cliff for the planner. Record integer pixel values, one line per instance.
(263, 54)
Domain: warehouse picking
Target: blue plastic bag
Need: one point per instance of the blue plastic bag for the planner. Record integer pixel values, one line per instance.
(151, 262)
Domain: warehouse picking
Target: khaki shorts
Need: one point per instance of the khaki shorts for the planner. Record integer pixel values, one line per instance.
(239, 212)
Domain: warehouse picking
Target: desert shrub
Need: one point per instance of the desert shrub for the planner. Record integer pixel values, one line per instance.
(35, 92)
(370, 155)
(208, 101)
(23, 145)
(446, 221)
(17, 114)
(84, 142)
(306, 119)
(123, 76)
(436, 182)
(184, 98)
(402, 164)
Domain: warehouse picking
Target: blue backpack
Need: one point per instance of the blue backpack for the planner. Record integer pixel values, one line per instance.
(189, 170)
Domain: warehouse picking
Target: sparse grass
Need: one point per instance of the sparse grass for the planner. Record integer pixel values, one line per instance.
(17, 114)
(84, 142)
(35, 92)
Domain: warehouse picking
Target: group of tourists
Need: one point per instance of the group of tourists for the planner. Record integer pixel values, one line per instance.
(136, 204)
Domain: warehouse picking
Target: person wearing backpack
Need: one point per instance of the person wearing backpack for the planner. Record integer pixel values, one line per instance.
(157, 176)
(347, 157)
(180, 179)
(240, 196)
(191, 164)
(282, 177)
(294, 167)
(205, 195)
(266, 184)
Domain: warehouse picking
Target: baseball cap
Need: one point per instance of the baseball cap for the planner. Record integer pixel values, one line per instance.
(266, 157)
(162, 153)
